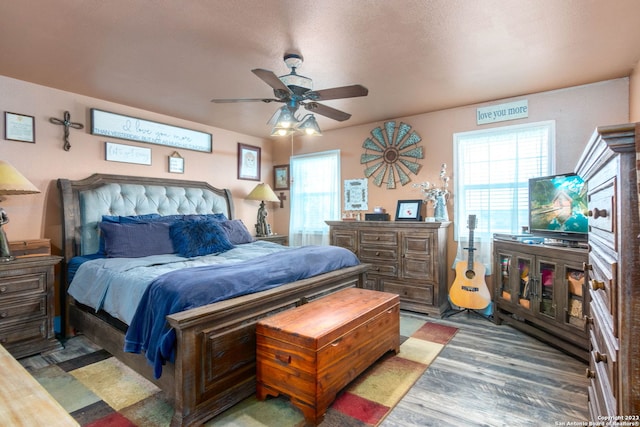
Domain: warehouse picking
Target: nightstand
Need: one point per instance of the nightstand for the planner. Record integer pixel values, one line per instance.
(27, 305)
(276, 238)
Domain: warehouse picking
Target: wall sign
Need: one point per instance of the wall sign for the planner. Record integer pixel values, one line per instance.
(134, 129)
(127, 154)
(503, 112)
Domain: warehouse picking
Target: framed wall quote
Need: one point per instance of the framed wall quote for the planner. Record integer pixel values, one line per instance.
(134, 129)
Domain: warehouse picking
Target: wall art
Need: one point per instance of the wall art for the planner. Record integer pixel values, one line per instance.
(134, 129)
(19, 127)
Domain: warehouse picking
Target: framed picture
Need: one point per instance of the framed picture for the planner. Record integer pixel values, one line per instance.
(248, 162)
(355, 195)
(176, 163)
(409, 210)
(281, 177)
(19, 127)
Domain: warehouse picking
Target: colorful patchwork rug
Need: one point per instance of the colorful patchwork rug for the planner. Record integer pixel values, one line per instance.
(99, 391)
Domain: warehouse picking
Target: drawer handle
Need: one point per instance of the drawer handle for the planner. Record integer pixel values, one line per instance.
(586, 266)
(597, 285)
(597, 213)
(3, 289)
(3, 314)
(3, 340)
(284, 358)
(600, 357)
(377, 253)
(377, 237)
(590, 373)
(335, 343)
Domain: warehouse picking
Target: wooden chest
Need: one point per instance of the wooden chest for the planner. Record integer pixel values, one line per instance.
(311, 352)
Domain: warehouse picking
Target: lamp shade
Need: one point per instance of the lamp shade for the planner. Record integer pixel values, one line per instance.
(263, 193)
(310, 126)
(13, 182)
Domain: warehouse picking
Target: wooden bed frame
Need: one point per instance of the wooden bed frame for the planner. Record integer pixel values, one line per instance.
(215, 357)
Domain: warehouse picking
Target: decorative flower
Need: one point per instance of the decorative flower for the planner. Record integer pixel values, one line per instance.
(431, 192)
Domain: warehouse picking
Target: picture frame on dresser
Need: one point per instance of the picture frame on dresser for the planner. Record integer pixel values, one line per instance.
(409, 210)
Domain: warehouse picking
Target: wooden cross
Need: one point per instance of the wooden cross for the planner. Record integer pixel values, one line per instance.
(66, 122)
(282, 198)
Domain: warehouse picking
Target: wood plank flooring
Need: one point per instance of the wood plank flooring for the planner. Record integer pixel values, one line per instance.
(491, 375)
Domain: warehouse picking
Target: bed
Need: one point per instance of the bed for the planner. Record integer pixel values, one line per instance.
(214, 363)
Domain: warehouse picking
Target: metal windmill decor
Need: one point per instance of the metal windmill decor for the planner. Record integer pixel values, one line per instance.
(392, 152)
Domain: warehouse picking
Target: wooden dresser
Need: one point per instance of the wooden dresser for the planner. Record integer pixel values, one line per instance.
(408, 259)
(608, 165)
(27, 305)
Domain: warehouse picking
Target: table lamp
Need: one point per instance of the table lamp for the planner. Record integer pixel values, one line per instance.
(12, 183)
(264, 193)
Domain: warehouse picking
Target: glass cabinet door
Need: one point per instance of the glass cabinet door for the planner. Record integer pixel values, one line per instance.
(504, 280)
(547, 277)
(574, 311)
(525, 282)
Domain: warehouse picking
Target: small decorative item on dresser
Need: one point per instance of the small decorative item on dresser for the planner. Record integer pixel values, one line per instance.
(409, 210)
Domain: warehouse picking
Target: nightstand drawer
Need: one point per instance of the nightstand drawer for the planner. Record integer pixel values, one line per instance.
(35, 330)
(23, 284)
(23, 309)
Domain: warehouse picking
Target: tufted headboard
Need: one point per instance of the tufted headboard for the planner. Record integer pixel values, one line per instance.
(85, 201)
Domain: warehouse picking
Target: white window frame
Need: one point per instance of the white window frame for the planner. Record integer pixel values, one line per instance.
(315, 232)
(484, 231)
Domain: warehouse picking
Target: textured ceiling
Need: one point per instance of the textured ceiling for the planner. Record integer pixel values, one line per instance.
(415, 56)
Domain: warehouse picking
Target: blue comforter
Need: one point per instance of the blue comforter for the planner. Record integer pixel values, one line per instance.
(194, 287)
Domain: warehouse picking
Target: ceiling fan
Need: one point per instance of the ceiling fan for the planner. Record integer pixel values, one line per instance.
(296, 91)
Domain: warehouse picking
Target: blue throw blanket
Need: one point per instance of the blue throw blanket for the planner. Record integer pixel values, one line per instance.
(194, 287)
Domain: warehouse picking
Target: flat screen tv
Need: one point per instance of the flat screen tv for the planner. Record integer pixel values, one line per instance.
(557, 207)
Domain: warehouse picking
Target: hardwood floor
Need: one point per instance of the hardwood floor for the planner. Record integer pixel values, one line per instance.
(491, 375)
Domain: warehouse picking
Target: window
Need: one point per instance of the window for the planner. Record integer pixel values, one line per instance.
(492, 171)
(315, 197)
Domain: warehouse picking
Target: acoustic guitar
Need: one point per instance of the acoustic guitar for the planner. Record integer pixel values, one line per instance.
(469, 289)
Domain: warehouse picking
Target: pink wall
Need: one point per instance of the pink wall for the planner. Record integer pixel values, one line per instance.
(38, 216)
(577, 111)
(634, 94)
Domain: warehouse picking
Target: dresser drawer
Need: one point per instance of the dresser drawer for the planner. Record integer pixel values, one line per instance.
(19, 285)
(34, 330)
(384, 269)
(602, 205)
(378, 254)
(422, 294)
(22, 309)
(378, 237)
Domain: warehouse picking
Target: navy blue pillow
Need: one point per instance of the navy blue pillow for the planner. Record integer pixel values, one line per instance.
(196, 237)
(134, 240)
(236, 232)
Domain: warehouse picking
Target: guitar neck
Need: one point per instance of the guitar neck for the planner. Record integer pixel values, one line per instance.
(471, 249)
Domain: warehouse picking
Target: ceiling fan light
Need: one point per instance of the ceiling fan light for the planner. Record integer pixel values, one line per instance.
(310, 126)
(285, 118)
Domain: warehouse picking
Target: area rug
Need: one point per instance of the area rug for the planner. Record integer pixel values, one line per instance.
(99, 391)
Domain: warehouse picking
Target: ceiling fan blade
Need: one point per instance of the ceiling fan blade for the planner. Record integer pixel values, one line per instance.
(272, 80)
(326, 111)
(337, 93)
(226, 101)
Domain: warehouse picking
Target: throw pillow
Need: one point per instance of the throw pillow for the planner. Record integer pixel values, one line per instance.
(196, 238)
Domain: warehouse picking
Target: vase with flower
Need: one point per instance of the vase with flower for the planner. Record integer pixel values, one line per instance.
(437, 195)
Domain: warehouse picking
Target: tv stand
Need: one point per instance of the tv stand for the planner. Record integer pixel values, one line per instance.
(540, 289)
